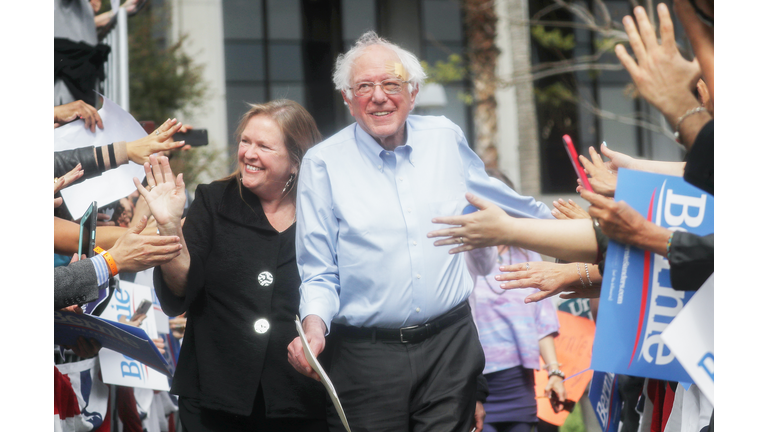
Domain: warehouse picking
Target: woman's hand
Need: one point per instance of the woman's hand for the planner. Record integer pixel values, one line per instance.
(548, 277)
(569, 210)
(602, 179)
(64, 181)
(77, 110)
(555, 385)
(166, 196)
(616, 159)
(480, 229)
(159, 140)
(134, 252)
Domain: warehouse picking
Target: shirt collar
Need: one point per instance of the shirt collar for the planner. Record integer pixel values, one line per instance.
(375, 152)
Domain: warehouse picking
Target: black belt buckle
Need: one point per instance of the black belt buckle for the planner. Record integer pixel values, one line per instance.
(406, 328)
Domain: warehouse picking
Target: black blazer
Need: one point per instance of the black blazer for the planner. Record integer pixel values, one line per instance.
(223, 359)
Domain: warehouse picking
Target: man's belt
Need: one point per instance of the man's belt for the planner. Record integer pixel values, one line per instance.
(412, 334)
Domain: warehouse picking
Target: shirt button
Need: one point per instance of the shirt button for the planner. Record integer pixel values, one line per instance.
(414, 242)
(265, 278)
(418, 276)
(261, 326)
(418, 309)
(379, 166)
(408, 210)
(400, 178)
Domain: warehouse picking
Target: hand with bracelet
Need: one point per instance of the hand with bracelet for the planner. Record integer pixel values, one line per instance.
(624, 224)
(555, 390)
(662, 76)
(574, 280)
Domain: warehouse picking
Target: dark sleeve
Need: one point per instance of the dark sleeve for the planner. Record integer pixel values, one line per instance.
(74, 284)
(198, 234)
(691, 260)
(602, 245)
(482, 388)
(66, 160)
(700, 161)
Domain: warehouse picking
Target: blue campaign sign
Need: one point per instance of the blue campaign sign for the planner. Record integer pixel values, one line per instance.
(125, 339)
(637, 300)
(606, 400)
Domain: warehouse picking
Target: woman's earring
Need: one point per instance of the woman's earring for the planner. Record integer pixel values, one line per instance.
(289, 182)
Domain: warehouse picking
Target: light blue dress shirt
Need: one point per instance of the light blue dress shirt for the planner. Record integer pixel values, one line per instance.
(363, 214)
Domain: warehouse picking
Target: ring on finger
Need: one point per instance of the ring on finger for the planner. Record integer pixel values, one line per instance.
(527, 266)
(157, 132)
(461, 240)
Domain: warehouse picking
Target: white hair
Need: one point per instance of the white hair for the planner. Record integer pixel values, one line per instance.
(342, 74)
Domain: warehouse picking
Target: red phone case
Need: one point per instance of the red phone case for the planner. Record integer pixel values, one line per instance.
(571, 150)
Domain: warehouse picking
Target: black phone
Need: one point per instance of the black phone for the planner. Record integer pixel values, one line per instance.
(193, 137)
(143, 308)
(88, 231)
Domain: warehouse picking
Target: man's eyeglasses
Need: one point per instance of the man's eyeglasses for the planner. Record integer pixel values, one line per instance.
(390, 86)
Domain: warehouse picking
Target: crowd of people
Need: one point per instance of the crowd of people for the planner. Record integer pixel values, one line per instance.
(413, 336)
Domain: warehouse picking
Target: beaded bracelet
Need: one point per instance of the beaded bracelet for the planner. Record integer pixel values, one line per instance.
(586, 269)
(583, 285)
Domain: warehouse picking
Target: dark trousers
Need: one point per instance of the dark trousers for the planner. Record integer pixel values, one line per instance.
(195, 418)
(425, 386)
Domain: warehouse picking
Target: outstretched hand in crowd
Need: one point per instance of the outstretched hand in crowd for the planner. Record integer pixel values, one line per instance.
(77, 110)
(134, 252)
(158, 141)
(64, 181)
(624, 224)
(551, 279)
(602, 178)
(568, 210)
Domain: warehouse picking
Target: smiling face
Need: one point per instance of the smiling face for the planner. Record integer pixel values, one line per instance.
(265, 165)
(381, 115)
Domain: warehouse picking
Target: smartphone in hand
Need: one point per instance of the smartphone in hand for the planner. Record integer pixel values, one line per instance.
(88, 231)
(142, 309)
(193, 137)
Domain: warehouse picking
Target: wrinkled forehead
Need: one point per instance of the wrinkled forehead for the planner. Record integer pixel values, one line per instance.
(376, 63)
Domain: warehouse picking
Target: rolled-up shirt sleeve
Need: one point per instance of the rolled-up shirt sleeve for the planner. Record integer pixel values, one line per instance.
(317, 233)
(494, 190)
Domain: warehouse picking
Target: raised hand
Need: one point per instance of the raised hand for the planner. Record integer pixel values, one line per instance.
(159, 140)
(602, 178)
(165, 195)
(662, 76)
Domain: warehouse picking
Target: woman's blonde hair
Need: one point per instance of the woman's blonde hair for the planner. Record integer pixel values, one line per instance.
(295, 122)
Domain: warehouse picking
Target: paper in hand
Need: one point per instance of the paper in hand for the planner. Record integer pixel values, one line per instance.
(323, 377)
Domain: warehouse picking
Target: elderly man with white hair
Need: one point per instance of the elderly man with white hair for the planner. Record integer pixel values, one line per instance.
(402, 349)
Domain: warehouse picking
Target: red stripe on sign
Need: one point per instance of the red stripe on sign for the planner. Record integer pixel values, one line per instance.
(646, 275)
